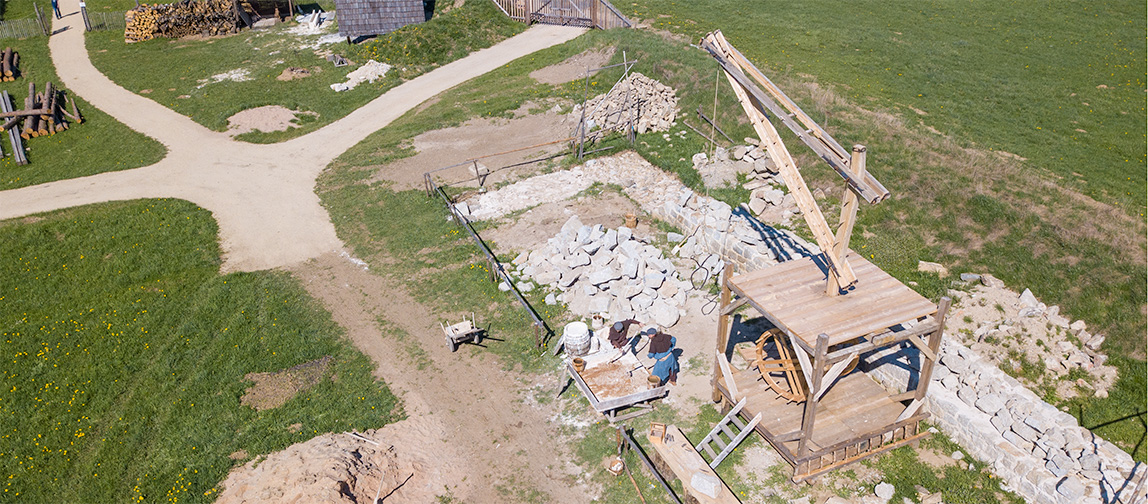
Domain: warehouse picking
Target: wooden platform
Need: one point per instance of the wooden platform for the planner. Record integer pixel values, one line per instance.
(855, 419)
(792, 296)
(679, 458)
(611, 385)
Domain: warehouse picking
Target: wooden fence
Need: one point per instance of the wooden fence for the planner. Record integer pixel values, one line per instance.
(107, 20)
(588, 13)
(20, 28)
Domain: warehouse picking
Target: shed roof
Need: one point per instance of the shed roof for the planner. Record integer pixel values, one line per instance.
(375, 17)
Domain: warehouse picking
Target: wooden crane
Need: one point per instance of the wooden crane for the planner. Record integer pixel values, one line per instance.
(761, 102)
(761, 98)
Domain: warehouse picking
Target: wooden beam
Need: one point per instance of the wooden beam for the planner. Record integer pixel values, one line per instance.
(849, 205)
(926, 375)
(803, 359)
(734, 306)
(809, 132)
(771, 142)
(723, 326)
(811, 402)
(832, 375)
(910, 410)
(925, 350)
(727, 375)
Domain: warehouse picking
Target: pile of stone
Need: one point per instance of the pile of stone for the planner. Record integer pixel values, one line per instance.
(999, 324)
(768, 200)
(651, 105)
(606, 271)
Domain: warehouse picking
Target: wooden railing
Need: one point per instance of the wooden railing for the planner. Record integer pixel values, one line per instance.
(588, 13)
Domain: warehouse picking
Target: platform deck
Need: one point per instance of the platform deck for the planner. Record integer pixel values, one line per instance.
(792, 296)
(854, 411)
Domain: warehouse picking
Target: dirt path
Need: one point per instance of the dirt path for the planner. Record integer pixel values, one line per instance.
(467, 414)
(262, 195)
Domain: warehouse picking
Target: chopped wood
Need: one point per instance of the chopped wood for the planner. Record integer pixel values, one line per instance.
(180, 19)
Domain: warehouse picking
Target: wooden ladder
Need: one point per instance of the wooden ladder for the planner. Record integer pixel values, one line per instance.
(723, 427)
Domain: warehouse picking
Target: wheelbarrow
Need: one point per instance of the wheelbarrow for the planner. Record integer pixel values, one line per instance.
(462, 332)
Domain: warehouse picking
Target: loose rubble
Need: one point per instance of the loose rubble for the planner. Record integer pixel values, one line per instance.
(652, 106)
(769, 199)
(370, 72)
(1011, 329)
(608, 272)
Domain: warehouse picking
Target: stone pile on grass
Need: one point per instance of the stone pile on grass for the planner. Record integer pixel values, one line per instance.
(651, 105)
(769, 199)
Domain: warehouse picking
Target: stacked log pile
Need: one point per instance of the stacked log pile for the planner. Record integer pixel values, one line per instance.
(9, 60)
(45, 113)
(180, 19)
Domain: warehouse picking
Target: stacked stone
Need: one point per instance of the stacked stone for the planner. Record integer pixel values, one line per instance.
(607, 271)
(1039, 451)
(711, 226)
(652, 106)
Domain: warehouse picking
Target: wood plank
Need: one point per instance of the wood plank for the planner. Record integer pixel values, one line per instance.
(685, 462)
(772, 144)
(727, 375)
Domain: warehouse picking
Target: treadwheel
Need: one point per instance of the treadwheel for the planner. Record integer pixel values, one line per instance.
(783, 373)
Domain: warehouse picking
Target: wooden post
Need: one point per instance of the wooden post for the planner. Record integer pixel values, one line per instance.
(935, 345)
(810, 401)
(40, 19)
(849, 203)
(723, 327)
(84, 14)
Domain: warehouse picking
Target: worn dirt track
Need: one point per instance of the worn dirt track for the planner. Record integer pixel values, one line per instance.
(474, 422)
(262, 195)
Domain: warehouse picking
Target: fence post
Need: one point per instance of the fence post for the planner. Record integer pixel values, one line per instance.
(84, 14)
(40, 19)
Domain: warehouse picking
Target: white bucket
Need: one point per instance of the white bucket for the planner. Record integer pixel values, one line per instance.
(576, 337)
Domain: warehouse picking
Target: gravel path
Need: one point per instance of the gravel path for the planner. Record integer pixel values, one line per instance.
(262, 195)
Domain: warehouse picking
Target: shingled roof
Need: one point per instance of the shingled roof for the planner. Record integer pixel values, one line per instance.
(376, 17)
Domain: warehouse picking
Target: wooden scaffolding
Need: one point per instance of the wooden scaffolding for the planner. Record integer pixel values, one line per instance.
(826, 310)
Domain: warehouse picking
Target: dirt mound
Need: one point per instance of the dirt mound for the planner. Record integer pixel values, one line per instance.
(573, 67)
(267, 118)
(404, 462)
(272, 390)
(332, 468)
(292, 73)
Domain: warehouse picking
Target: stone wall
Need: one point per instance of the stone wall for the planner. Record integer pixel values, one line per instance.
(1040, 452)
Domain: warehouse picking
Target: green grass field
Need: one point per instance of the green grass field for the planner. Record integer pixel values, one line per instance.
(100, 144)
(126, 353)
(1059, 83)
(177, 73)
